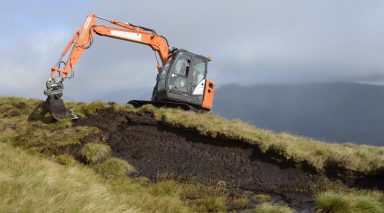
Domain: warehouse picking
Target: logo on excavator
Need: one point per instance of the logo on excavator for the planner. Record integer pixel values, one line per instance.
(86, 25)
(126, 35)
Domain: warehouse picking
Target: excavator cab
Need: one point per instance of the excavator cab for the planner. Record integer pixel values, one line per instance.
(182, 83)
(183, 80)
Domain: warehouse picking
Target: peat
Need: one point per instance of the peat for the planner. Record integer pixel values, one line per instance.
(158, 150)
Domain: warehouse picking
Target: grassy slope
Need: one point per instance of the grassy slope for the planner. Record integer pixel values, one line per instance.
(318, 154)
(44, 184)
(54, 187)
(29, 183)
(350, 201)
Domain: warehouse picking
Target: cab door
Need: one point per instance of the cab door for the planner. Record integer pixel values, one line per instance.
(197, 77)
(179, 76)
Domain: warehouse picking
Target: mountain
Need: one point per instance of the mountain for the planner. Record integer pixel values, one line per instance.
(336, 112)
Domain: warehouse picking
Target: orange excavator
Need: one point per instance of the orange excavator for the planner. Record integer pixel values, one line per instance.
(181, 78)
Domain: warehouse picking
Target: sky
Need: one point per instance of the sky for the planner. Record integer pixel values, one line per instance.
(251, 42)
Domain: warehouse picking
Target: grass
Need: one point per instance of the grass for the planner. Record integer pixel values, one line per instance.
(203, 198)
(351, 201)
(31, 184)
(272, 208)
(115, 168)
(191, 192)
(261, 198)
(213, 204)
(66, 159)
(95, 152)
(167, 187)
(33, 178)
(33, 134)
(241, 202)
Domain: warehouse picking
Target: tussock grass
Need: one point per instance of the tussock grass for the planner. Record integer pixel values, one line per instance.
(261, 198)
(95, 152)
(23, 124)
(272, 208)
(66, 159)
(30, 184)
(86, 109)
(203, 198)
(115, 168)
(191, 192)
(212, 204)
(35, 134)
(241, 202)
(352, 201)
(167, 187)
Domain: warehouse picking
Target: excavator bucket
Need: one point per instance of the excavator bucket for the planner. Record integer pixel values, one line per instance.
(54, 103)
(56, 107)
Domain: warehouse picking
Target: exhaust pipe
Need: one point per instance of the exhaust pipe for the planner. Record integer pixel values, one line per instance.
(54, 104)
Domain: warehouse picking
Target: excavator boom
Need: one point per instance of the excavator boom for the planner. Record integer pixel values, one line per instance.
(83, 39)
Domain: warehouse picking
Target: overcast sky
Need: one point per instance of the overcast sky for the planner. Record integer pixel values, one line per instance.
(251, 42)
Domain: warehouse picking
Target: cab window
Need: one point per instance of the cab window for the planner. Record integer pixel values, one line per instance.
(199, 70)
(181, 67)
(179, 76)
(164, 72)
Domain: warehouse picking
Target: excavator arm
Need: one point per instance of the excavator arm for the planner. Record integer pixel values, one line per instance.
(83, 39)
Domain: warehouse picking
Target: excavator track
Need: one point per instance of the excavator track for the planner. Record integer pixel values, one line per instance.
(168, 104)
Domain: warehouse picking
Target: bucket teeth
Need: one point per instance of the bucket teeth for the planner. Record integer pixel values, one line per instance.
(55, 105)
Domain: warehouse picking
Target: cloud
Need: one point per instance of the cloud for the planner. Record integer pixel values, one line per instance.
(252, 42)
(23, 66)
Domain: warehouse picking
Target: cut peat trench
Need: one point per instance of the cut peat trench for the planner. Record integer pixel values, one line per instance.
(158, 150)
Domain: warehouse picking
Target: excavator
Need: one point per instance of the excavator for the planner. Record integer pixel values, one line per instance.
(181, 77)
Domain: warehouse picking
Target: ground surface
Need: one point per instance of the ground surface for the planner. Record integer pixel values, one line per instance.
(158, 151)
(165, 144)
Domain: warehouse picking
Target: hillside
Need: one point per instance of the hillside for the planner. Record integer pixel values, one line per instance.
(169, 160)
(339, 112)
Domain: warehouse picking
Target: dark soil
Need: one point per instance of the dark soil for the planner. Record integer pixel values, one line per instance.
(160, 151)
(157, 150)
